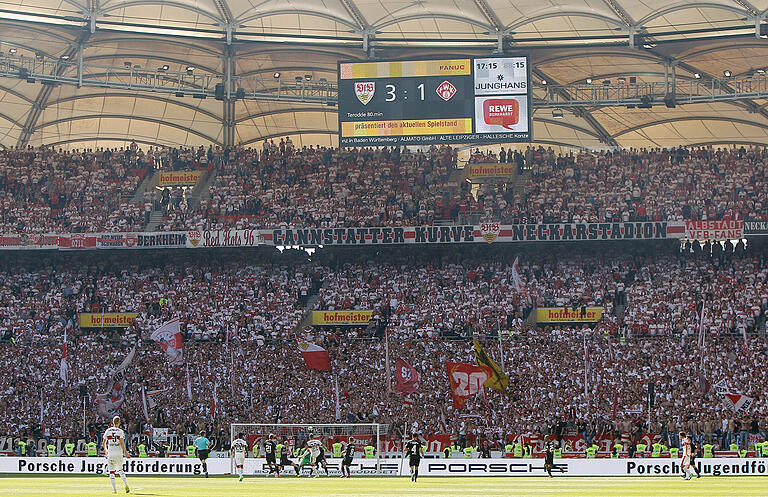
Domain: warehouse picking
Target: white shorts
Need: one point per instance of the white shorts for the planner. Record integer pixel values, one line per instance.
(239, 460)
(686, 462)
(115, 462)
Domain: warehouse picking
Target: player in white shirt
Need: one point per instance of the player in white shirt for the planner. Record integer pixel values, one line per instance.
(317, 455)
(239, 448)
(685, 464)
(114, 448)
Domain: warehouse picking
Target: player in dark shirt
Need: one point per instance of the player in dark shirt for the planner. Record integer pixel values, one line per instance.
(549, 456)
(415, 451)
(270, 448)
(284, 461)
(346, 462)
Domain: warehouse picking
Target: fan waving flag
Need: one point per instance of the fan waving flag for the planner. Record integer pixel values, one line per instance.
(466, 380)
(740, 404)
(169, 338)
(498, 380)
(516, 281)
(407, 377)
(315, 357)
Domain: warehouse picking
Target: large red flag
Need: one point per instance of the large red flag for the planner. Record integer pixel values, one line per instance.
(466, 380)
(315, 356)
(407, 377)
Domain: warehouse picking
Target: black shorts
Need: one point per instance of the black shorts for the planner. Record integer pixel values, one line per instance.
(549, 459)
(414, 461)
(202, 454)
(284, 461)
(347, 461)
(320, 458)
(270, 459)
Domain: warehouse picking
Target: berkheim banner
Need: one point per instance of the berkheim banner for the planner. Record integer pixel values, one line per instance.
(346, 318)
(568, 314)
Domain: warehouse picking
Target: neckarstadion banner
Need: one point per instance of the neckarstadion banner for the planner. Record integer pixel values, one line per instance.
(389, 235)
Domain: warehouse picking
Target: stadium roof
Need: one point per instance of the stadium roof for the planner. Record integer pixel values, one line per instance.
(569, 41)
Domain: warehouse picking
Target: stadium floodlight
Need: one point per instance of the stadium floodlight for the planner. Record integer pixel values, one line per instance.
(606, 82)
(307, 77)
(761, 71)
(557, 113)
(589, 81)
(299, 79)
(544, 82)
(697, 75)
(276, 75)
(128, 64)
(163, 68)
(64, 57)
(727, 73)
(621, 79)
(12, 51)
(190, 70)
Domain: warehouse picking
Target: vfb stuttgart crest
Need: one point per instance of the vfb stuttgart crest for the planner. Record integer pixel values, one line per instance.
(194, 237)
(446, 90)
(490, 231)
(405, 373)
(364, 91)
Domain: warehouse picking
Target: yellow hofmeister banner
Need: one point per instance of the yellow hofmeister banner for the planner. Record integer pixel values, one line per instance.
(111, 320)
(490, 170)
(347, 318)
(406, 68)
(179, 178)
(568, 315)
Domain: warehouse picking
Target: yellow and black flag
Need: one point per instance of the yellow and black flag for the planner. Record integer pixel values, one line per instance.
(499, 380)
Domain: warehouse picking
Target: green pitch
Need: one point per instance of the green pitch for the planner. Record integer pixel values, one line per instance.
(93, 486)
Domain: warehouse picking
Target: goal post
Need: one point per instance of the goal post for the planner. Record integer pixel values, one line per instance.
(363, 436)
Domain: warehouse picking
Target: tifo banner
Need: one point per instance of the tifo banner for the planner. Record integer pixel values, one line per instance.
(488, 232)
(714, 230)
(466, 380)
(346, 318)
(107, 320)
(406, 376)
(569, 315)
(179, 178)
(756, 228)
(223, 238)
(481, 171)
(315, 357)
(307, 237)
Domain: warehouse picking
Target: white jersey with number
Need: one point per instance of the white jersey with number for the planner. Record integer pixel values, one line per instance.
(314, 447)
(113, 436)
(239, 447)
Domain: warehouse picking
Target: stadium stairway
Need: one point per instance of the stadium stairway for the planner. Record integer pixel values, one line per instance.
(147, 184)
(201, 190)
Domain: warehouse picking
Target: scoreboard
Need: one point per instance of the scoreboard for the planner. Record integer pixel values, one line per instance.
(413, 102)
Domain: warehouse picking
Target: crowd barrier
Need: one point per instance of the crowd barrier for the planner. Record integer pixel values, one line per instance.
(429, 467)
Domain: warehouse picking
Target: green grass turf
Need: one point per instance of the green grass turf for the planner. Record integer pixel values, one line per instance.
(193, 486)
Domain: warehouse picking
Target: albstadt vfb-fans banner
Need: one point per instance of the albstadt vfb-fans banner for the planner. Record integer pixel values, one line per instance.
(415, 235)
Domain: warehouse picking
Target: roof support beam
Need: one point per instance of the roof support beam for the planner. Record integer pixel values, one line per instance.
(45, 93)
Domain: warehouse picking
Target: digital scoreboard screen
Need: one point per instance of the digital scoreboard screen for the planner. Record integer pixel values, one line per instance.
(470, 100)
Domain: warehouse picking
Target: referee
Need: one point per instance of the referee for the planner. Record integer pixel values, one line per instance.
(202, 447)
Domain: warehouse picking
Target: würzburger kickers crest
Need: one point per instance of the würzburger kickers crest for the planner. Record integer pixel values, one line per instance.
(364, 91)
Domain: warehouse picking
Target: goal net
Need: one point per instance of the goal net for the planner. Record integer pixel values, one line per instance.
(365, 438)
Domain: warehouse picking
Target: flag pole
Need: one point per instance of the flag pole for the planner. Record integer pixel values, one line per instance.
(501, 343)
(386, 360)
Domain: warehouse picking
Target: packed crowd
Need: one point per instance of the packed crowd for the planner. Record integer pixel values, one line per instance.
(430, 304)
(43, 190)
(635, 185)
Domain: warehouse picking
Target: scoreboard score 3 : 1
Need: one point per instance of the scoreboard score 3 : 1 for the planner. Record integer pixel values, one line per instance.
(471, 100)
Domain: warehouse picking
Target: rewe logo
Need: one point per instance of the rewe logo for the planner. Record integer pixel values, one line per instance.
(446, 90)
(364, 91)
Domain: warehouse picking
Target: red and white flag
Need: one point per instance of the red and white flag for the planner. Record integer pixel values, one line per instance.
(516, 280)
(63, 366)
(407, 377)
(738, 403)
(466, 380)
(315, 357)
(169, 338)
